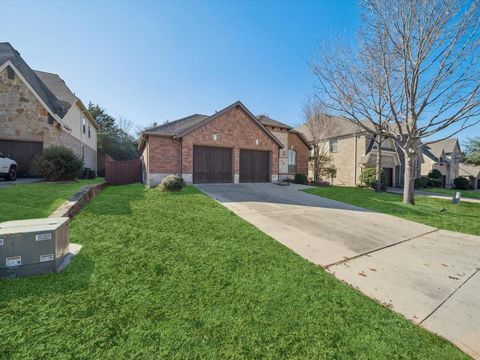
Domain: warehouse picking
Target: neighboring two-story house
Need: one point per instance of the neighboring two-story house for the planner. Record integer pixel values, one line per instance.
(352, 150)
(444, 156)
(472, 173)
(38, 110)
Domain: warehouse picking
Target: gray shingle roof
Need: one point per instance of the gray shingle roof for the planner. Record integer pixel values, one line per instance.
(186, 125)
(447, 145)
(469, 170)
(343, 127)
(8, 53)
(58, 87)
(265, 120)
(173, 128)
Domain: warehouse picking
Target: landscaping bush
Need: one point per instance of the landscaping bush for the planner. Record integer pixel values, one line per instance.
(91, 174)
(421, 182)
(84, 174)
(57, 163)
(368, 178)
(300, 179)
(461, 183)
(435, 174)
(171, 183)
(436, 178)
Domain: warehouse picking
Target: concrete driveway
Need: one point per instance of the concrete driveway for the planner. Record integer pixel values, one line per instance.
(428, 275)
(19, 181)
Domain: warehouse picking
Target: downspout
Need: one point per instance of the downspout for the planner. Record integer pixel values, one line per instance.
(146, 175)
(175, 141)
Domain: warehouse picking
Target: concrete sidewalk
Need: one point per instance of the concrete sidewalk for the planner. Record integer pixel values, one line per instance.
(433, 195)
(428, 275)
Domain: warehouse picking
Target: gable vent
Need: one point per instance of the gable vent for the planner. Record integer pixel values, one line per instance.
(10, 73)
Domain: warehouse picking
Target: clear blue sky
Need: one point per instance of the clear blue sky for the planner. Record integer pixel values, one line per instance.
(152, 61)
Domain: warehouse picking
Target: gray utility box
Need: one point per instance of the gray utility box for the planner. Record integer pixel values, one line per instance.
(31, 247)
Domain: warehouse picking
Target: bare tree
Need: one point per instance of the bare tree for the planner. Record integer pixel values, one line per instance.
(351, 84)
(125, 125)
(426, 54)
(320, 126)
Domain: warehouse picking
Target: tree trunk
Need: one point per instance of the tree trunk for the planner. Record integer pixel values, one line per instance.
(408, 181)
(378, 168)
(315, 163)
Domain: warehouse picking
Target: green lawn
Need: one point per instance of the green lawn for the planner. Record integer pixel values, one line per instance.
(30, 201)
(451, 192)
(430, 211)
(178, 276)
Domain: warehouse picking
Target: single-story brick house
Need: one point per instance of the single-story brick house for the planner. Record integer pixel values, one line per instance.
(230, 146)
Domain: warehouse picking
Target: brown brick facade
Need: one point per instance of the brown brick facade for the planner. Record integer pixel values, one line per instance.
(302, 150)
(233, 129)
(164, 155)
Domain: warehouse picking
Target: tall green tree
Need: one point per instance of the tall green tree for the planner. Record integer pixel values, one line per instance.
(105, 121)
(472, 151)
(113, 138)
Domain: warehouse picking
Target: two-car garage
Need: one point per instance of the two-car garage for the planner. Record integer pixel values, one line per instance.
(215, 165)
(230, 146)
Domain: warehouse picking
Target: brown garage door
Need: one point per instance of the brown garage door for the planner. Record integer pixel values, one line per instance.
(212, 165)
(254, 166)
(23, 152)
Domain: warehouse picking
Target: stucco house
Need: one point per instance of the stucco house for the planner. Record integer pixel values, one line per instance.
(38, 110)
(352, 149)
(230, 146)
(444, 156)
(472, 173)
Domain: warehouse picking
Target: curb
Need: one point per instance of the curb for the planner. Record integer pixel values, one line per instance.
(71, 207)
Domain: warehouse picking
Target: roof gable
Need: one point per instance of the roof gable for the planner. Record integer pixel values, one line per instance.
(302, 137)
(50, 89)
(11, 56)
(186, 125)
(446, 146)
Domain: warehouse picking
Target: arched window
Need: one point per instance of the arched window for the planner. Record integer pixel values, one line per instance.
(292, 161)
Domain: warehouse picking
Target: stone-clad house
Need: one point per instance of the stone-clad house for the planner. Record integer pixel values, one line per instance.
(37, 110)
(444, 156)
(352, 150)
(230, 146)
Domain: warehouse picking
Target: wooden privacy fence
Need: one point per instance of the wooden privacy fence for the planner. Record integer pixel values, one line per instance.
(122, 172)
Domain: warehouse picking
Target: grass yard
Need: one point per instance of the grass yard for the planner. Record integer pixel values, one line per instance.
(462, 218)
(30, 201)
(179, 276)
(451, 192)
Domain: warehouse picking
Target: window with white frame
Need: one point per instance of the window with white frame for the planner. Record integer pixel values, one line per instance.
(333, 145)
(84, 125)
(292, 161)
(89, 130)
